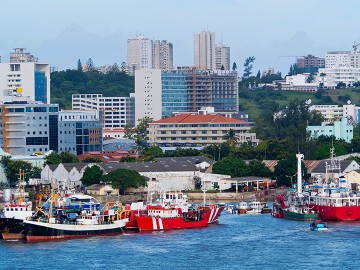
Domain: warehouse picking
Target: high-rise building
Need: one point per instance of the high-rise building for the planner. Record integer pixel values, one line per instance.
(204, 50)
(222, 57)
(162, 53)
(159, 94)
(118, 112)
(24, 76)
(148, 94)
(146, 53)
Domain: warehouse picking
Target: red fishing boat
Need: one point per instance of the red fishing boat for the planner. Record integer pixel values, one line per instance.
(160, 218)
(176, 201)
(333, 199)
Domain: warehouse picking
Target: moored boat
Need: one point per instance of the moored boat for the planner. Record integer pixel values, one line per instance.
(254, 208)
(296, 209)
(334, 200)
(301, 213)
(14, 213)
(242, 208)
(68, 223)
(158, 218)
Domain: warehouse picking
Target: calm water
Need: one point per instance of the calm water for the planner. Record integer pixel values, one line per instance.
(239, 242)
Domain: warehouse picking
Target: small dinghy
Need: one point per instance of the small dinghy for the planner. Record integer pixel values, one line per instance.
(318, 226)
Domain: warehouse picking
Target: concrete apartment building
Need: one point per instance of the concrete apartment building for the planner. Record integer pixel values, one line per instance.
(205, 50)
(310, 63)
(333, 113)
(144, 53)
(194, 130)
(159, 94)
(342, 130)
(222, 57)
(117, 111)
(24, 76)
(162, 55)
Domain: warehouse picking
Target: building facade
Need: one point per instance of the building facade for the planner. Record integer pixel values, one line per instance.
(333, 113)
(339, 74)
(20, 56)
(341, 130)
(205, 50)
(34, 128)
(159, 94)
(118, 112)
(162, 55)
(222, 60)
(28, 128)
(198, 130)
(29, 79)
(144, 53)
(80, 131)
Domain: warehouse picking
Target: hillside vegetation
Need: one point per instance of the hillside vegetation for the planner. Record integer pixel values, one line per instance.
(256, 102)
(66, 83)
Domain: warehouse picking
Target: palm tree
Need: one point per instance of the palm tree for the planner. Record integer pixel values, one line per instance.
(231, 137)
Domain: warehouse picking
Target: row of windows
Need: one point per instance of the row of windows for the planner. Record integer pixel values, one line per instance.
(39, 132)
(202, 125)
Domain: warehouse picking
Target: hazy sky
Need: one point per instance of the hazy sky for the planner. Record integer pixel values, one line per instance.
(62, 32)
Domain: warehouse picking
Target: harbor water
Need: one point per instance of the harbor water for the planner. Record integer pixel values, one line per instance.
(237, 242)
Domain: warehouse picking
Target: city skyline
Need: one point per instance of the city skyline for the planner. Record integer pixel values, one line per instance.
(60, 35)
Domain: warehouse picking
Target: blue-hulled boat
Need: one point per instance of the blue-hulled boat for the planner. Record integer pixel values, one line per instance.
(318, 226)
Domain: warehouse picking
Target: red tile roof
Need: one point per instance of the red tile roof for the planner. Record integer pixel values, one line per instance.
(195, 118)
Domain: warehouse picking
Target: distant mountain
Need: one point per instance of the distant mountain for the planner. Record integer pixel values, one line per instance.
(66, 83)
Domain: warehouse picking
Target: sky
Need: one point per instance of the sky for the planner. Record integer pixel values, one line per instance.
(61, 32)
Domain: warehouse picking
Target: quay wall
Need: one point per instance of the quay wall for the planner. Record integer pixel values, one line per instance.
(223, 197)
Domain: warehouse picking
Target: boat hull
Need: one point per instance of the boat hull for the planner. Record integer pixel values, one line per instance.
(333, 213)
(300, 216)
(148, 223)
(11, 225)
(7, 236)
(39, 231)
(214, 213)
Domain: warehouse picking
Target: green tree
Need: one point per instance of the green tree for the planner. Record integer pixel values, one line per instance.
(232, 166)
(183, 152)
(284, 169)
(122, 179)
(35, 172)
(222, 67)
(153, 151)
(79, 65)
(234, 66)
(248, 66)
(127, 159)
(12, 169)
(92, 175)
(90, 159)
(231, 138)
(63, 157)
(90, 65)
(115, 68)
(140, 131)
(310, 78)
(258, 168)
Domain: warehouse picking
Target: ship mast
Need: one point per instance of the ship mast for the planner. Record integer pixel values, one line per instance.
(299, 182)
